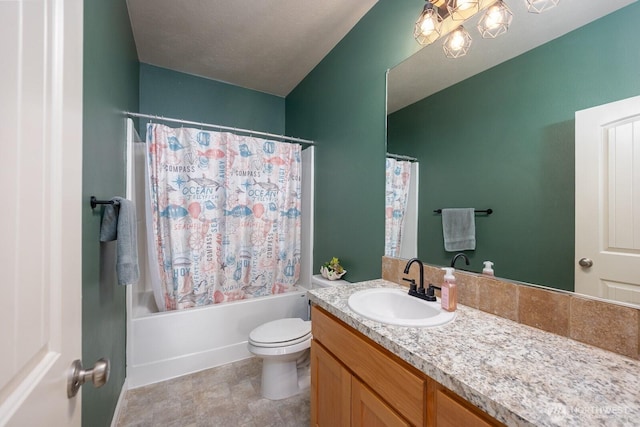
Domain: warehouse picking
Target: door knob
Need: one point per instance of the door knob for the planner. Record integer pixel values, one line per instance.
(99, 375)
(585, 262)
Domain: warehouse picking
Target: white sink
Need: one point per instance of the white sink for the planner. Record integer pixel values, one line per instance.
(396, 307)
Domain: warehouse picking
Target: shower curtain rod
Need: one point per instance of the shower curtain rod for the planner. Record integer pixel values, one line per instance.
(402, 157)
(232, 129)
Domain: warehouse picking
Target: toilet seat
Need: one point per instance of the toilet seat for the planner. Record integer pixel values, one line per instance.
(282, 343)
(281, 333)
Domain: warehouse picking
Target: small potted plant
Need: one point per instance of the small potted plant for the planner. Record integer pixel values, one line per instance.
(332, 270)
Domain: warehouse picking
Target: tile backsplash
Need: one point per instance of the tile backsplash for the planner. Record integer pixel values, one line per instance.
(599, 323)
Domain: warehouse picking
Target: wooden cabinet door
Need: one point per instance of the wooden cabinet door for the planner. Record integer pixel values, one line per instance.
(368, 410)
(451, 412)
(330, 390)
(397, 383)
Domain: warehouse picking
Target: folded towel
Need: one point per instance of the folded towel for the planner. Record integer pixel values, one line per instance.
(119, 223)
(459, 229)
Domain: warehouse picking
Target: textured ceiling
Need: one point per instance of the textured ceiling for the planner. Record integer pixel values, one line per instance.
(429, 71)
(271, 45)
(266, 45)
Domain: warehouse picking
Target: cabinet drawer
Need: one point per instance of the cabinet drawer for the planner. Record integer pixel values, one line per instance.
(382, 371)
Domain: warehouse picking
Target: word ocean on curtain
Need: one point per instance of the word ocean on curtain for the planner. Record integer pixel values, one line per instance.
(225, 214)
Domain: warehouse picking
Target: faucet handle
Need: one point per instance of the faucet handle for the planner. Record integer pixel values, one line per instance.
(412, 284)
(431, 296)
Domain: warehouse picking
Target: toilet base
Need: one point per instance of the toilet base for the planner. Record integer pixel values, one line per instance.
(280, 378)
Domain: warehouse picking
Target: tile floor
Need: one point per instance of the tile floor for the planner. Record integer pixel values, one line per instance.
(228, 395)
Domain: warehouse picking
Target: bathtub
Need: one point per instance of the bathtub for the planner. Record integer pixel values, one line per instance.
(171, 344)
(165, 345)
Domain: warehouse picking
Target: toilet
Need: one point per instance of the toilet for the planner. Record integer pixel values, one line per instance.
(283, 345)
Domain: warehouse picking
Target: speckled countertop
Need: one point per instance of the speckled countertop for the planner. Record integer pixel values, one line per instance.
(520, 375)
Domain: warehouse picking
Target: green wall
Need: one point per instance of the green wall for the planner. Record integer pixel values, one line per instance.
(504, 139)
(341, 105)
(178, 95)
(114, 81)
(110, 86)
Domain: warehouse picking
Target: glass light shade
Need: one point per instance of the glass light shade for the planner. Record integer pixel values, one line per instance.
(539, 6)
(459, 10)
(495, 21)
(457, 43)
(427, 28)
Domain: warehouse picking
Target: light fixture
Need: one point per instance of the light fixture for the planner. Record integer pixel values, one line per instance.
(459, 10)
(495, 21)
(539, 6)
(427, 29)
(457, 43)
(441, 17)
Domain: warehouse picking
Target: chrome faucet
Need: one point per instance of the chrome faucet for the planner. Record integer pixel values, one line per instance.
(455, 258)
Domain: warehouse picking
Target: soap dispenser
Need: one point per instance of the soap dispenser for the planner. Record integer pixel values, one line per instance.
(488, 268)
(448, 293)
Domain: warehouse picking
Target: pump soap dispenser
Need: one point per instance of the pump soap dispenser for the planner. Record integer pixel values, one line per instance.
(448, 293)
(488, 268)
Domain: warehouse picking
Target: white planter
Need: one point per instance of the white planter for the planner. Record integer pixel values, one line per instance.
(331, 275)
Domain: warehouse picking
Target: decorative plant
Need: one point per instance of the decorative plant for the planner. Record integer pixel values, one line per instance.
(332, 270)
(334, 265)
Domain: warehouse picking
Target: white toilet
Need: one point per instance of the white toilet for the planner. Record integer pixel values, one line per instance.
(283, 345)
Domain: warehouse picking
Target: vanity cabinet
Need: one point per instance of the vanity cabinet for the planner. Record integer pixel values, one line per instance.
(330, 389)
(356, 382)
(340, 399)
(452, 411)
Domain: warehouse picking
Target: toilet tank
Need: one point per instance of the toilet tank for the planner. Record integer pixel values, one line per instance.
(317, 281)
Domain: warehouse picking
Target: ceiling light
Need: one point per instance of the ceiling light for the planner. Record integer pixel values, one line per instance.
(436, 21)
(462, 9)
(539, 6)
(457, 43)
(495, 21)
(427, 29)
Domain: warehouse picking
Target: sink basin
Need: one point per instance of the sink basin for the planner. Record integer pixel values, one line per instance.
(396, 307)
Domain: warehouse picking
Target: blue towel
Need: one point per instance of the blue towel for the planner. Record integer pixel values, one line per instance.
(459, 229)
(119, 223)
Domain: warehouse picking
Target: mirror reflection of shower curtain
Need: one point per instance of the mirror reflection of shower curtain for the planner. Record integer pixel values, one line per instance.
(400, 203)
(225, 215)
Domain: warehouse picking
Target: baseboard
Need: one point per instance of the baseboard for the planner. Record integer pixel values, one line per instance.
(120, 404)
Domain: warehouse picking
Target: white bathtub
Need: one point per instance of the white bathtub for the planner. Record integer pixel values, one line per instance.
(170, 344)
(164, 345)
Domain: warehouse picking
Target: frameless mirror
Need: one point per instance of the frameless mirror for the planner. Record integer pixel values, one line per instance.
(496, 129)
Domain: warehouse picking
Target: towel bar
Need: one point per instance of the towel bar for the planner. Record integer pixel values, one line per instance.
(95, 202)
(487, 211)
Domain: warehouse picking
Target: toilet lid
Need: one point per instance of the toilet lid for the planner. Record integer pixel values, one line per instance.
(282, 330)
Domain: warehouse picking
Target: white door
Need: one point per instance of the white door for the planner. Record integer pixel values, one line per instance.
(40, 215)
(608, 201)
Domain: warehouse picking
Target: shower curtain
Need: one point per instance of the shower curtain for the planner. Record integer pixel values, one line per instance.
(397, 178)
(225, 215)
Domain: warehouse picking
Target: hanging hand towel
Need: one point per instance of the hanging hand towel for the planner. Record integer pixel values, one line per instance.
(459, 229)
(119, 223)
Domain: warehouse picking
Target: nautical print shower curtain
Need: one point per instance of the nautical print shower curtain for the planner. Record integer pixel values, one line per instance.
(225, 214)
(397, 178)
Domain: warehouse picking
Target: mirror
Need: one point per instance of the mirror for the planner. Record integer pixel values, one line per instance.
(495, 129)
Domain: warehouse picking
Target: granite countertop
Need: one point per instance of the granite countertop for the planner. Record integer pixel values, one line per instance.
(520, 375)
